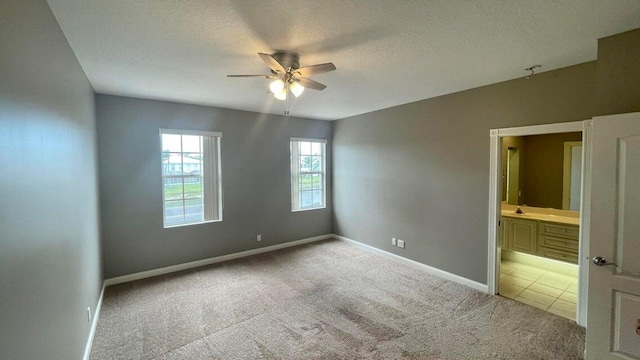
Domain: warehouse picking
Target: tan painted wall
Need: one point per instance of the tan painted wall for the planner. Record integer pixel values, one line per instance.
(618, 74)
(544, 169)
(516, 142)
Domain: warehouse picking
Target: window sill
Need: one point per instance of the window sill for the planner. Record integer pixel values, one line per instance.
(307, 209)
(191, 224)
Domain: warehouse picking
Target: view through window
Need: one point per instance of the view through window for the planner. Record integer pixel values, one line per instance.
(191, 184)
(308, 180)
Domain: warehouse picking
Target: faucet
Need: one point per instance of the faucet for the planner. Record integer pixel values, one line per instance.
(519, 210)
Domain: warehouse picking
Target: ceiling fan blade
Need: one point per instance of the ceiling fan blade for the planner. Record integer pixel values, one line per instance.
(265, 76)
(315, 69)
(310, 84)
(272, 63)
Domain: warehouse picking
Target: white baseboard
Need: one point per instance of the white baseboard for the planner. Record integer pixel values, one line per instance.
(209, 261)
(418, 265)
(94, 325)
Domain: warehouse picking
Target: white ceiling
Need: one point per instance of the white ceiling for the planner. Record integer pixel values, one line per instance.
(387, 52)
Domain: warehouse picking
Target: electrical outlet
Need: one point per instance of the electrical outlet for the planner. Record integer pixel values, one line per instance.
(401, 243)
(259, 237)
(394, 242)
(89, 314)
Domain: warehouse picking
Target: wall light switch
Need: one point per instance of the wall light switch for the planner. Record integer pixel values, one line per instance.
(394, 242)
(401, 243)
(259, 237)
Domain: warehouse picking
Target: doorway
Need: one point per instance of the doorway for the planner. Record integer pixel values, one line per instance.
(526, 236)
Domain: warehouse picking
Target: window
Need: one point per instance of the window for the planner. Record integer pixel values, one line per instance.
(191, 181)
(308, 181)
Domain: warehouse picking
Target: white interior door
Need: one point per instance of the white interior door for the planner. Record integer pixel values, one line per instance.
(613, 315)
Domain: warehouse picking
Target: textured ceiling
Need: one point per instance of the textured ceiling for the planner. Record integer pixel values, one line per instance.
(387, 52)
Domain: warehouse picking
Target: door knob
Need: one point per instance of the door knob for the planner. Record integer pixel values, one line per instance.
(600, 261)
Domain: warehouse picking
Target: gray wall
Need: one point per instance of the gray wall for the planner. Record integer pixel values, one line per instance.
(49, 244)
(256, 183)
(420, 171)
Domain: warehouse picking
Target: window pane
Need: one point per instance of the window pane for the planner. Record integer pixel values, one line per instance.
(309, 163)
(305, 148)
(191, 163)
(316, 163)
(171, 143)
(316, 148)
(317, 198)
(171, 164)
(173, 189)
(173, 212)
(191, 143)
(301, 164)
(194, 210)
(192, 188)
(305, 199)
(305, 182)
(316, 181)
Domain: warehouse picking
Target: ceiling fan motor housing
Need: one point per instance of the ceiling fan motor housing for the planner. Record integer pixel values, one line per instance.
(287, 60)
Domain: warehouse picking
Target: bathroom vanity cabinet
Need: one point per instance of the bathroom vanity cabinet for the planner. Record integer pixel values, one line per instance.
(521, 235)
(558, 241)
(533, 235)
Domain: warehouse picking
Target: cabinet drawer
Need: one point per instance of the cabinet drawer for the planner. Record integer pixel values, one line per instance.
(560, 243)
(559, 255)
(558, 229)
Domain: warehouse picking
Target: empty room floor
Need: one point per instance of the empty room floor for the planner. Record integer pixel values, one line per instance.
(329, 300)
(544, 289)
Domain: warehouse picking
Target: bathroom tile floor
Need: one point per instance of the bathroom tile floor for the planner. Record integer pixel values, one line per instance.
(544, 289)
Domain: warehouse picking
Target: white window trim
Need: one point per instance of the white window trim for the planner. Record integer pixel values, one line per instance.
(190, 132)
(295, 172)
(213, 181)
(322, 141)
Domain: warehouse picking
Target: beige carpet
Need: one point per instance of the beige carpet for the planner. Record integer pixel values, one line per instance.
(327, 300)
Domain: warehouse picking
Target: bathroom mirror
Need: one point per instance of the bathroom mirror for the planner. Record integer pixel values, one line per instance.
(542, 170)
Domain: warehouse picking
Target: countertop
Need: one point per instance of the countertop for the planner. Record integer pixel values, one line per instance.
(566, 220)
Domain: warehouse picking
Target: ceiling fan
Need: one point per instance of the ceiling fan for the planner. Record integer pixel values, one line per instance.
(289, 76)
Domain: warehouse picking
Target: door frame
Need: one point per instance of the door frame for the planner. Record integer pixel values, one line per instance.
(495, 199)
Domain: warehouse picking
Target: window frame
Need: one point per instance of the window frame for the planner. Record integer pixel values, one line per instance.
(295, 172)
(212, 201)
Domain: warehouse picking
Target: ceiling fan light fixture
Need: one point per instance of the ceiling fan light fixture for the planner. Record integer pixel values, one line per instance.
(281, 95)
(276, 87)
(287, 75)
(296, 88)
